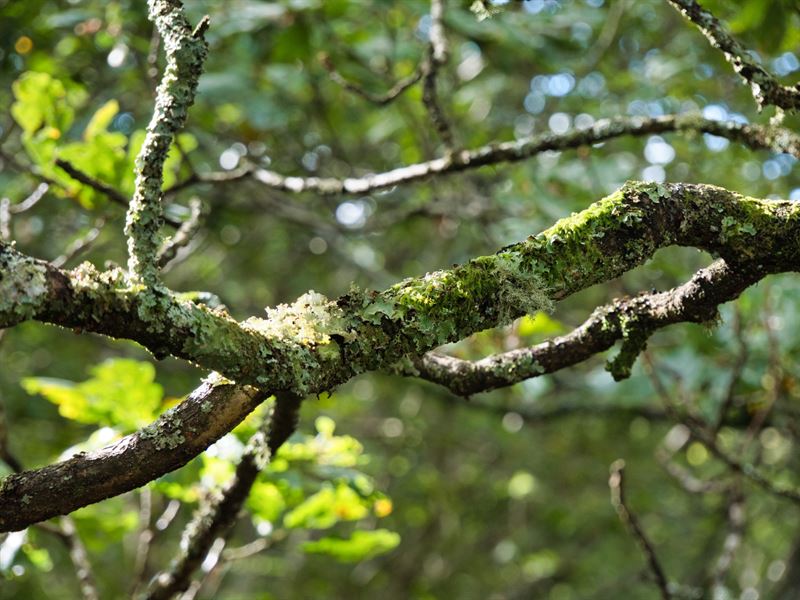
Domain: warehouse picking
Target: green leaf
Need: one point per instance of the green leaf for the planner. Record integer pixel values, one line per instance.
(41, 101)
(266, 501)
(326, 508)
(121, 393)
(101, 120)
(540, 324)
(360, 546)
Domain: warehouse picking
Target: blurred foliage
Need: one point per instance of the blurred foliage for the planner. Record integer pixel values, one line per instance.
(489, 498)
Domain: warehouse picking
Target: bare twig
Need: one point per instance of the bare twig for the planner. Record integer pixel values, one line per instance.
(144, 538)
(5, 219)
(112, 193)
(80, 559)
(700, 433)
(616, 483)
(436, 57)
(736, 372)
(607, 35)
(733, 540)
(81, 244)
(379, 99)
(214, 177)
(185, 233)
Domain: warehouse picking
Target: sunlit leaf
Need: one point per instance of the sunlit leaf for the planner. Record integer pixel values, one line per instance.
(120, 393)
(360, 546)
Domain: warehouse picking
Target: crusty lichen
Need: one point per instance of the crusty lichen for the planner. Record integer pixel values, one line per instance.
(186, 51)
(23, 287)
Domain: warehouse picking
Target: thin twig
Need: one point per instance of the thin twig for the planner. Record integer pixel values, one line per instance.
(732, 543)
(607, 35)
(185, 233)
(436, 58)
(387, 97)
(216, 518)
(753, 136)
(736, 372)
(112, 193)
(5, 219)
(616, 483)
(80, 559)
(700, 433)
(144, 539)
(80, 244)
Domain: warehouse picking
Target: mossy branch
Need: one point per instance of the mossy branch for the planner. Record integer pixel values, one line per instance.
(316, 344)
(631, 320)
(185, 51)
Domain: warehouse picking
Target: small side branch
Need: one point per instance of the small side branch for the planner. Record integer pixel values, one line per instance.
(378, 99)
(696, 301)
(170, 442)
(185, 233)
(215, 520)
(436, 58)
(80, 559)
(767, 90)
(186, 51)
(112, 193)
(616, 483)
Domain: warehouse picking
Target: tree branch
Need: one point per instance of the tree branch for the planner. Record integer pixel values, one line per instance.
(216, 518)
(766, 89)
(112, 193)
(616, 484)
(315, 344)
(758, 137)
(186, 51)
(631, 320)
(176, 437)
(378, 99)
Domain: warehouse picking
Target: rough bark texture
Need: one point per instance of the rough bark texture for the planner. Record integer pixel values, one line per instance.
(170, 442)
(315, 344)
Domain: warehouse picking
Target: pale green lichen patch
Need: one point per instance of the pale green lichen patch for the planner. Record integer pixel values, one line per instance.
(23, 287)
(165, 433)
(309, 321)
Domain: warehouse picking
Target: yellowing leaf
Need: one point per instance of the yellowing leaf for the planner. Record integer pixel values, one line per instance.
(101, 120)
(121, 393)
(360, 546)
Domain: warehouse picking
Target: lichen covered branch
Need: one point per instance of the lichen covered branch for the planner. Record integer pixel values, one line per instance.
(316, 344)
(176, 437)
(216, 517)
(767, 90)
(757, 137)
(186, 51)
(632, 320)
